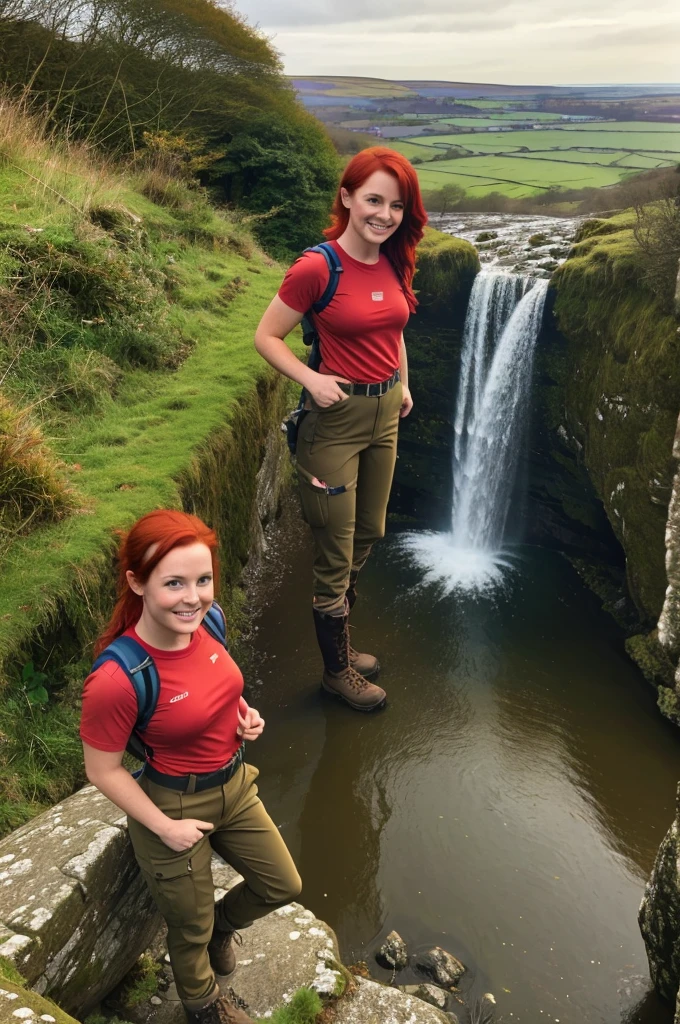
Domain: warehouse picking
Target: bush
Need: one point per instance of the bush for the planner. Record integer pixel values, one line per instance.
(657, 233)
(32, 491)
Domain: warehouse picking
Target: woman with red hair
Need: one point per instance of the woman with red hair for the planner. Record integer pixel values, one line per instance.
(196, 794)
(347, 438)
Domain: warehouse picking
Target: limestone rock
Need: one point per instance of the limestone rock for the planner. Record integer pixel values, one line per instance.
(442, 967)
(74, 911)
(280, 953)
(659, 915)
(393, 953)
(373, 1003)
(428, 993)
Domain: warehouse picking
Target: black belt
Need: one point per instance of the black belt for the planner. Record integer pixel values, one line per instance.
(372, 390)
(195, 783)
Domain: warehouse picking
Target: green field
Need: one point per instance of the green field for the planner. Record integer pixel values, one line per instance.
(496, 120)
(521, 163)
(515, 176)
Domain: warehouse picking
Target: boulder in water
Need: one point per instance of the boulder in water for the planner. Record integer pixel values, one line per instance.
(442, 967)
(393, 953)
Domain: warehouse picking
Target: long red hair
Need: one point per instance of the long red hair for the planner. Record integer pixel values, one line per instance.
(166, 529)
(400, 248)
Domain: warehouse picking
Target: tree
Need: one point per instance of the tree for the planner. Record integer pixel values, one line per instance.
(444, 199)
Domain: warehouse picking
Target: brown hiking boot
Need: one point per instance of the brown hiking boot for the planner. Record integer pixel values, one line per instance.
(354, 689)
(222, 1010)
(221, 952)
(340, 676)
(366, 664)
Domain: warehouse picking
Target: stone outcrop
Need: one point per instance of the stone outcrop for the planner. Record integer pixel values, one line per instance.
(74, 911)
(372, 1003)
(659, 916)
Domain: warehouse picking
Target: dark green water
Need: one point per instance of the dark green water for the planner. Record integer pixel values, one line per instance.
(507, 804)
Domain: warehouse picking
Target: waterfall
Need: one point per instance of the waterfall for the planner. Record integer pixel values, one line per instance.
(501, 328)
(502, 325)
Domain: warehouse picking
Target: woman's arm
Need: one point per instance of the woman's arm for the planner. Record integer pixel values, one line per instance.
(278, 321)
(407, 403)
(105, 771)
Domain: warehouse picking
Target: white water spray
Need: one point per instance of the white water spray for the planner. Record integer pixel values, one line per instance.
(501, 328)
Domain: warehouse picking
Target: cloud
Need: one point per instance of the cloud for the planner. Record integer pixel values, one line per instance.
(311, 13)
(511, 41)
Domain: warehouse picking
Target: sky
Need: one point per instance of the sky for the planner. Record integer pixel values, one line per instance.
(532, 42)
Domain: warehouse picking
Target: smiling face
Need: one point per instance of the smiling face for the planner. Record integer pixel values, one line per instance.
(177, 594)
(376, 208)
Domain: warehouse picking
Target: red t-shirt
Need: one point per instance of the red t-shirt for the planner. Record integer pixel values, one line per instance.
(193, 728)
(360, 329)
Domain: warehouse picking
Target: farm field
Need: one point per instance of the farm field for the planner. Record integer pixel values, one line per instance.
(517, 140)
(469, 120)
(666, 141)
(515, 176)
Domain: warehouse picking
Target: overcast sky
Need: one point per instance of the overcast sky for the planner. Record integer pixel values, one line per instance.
(515, 41)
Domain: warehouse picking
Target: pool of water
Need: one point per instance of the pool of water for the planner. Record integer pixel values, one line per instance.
(508, 802)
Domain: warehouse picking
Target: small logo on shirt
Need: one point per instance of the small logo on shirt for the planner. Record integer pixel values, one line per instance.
(377, 296)
(214, 657)
(180, 696)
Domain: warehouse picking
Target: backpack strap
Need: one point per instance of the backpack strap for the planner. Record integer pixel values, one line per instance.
(334, 271)
(215, 623)
(140, 669)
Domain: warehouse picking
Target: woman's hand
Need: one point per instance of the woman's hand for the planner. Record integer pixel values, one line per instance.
(325, 389)
(406, 403)
(182, 835)
(250, 725)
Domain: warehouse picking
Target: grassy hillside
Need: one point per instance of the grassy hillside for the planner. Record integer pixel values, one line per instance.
(128, 312)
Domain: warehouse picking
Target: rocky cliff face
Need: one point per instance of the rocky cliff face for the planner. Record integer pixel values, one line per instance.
(660, 917)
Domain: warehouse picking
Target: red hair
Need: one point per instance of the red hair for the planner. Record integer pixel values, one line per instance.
(400, 248)
(166, 529)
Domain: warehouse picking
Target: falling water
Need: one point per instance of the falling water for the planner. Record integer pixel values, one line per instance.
(502, 324)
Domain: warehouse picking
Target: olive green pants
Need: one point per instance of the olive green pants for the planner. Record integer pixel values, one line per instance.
(181, 883)
(350, 448)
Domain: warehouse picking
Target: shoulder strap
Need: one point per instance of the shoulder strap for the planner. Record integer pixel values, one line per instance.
(215, 622)
(140, 669)
(334, 271)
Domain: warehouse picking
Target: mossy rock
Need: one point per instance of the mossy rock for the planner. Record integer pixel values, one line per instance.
(15, 996)
(445, 270)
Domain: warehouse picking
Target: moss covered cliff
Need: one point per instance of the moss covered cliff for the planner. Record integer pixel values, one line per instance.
(618, 394)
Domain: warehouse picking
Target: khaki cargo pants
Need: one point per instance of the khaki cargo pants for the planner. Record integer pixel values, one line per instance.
(181, 883)
(351, 447)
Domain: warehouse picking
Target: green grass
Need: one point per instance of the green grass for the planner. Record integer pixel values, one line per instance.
(187, 434)
(304, 1008)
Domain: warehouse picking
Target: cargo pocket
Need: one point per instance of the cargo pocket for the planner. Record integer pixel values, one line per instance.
(316, 497)
(172, 886)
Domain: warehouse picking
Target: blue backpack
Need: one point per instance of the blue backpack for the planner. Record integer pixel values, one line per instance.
(310, 337)
(141, 670)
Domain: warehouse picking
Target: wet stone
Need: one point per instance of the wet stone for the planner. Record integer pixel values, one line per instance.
(442, 967)
(428, 993)
(393, 953)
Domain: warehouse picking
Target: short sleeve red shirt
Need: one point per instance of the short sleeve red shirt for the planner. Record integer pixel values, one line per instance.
(193, 728)
(360, 329)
